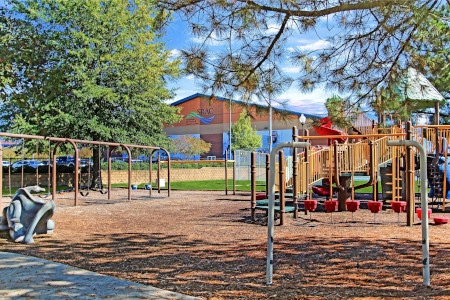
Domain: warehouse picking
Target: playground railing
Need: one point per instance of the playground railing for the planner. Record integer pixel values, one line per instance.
(318, 161)
(353, 157)
(364, 124)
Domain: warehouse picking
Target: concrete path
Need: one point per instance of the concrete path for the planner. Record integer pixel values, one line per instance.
(25, 277)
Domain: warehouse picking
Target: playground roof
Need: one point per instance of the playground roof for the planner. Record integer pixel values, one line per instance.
(414, 87)
(240, 102)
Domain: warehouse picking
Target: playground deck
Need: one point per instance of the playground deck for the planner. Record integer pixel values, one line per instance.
(203, 244)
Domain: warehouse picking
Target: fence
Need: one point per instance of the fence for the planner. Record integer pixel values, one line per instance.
(243, 165)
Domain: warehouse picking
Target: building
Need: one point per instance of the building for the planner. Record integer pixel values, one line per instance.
(209, 119)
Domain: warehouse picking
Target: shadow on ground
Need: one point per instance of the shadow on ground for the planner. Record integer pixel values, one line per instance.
(307, 267)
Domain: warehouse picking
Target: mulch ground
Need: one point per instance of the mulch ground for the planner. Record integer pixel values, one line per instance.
(204, 244)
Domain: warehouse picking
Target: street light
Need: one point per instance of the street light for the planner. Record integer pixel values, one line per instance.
(302, 120)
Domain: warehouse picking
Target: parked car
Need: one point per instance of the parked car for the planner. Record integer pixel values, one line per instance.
(66, 160)
(69, 161)
(31, 163)
(84, 162)
(46, 162)
(5, 163)
(113, 159)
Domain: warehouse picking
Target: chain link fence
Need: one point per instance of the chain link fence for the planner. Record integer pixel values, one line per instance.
(243, 165)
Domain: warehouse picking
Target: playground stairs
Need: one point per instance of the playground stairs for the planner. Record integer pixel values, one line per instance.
(436, 182)
(396, 190)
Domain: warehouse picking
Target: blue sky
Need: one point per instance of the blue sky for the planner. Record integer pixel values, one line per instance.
(179, 37)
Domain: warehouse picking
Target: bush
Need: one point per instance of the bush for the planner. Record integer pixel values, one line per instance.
(116, 165)
(41, 169)
(119, 165)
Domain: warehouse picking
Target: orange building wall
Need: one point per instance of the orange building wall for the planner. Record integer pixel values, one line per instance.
(220, 110)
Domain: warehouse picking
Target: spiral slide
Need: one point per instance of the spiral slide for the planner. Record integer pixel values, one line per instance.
(325, 129)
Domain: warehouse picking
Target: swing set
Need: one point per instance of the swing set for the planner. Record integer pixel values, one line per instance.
(52, 171)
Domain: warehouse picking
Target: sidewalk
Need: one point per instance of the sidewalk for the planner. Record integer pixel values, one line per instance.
(25, 277)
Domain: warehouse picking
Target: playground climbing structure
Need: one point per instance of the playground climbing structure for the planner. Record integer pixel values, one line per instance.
(367, 153)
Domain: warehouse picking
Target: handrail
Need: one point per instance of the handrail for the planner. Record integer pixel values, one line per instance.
(198, 161)
(371, 167)
(336, 167)
(359, 136)
(424, 205)
(271, 210)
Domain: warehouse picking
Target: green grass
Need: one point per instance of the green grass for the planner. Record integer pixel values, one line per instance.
(205, 185)
(369, 189)
(5, 192)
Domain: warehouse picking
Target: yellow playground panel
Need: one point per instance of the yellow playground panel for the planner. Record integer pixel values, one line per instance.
(366, 154)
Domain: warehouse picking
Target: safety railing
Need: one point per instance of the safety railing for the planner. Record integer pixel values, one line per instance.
(353, 157)
(363, 124)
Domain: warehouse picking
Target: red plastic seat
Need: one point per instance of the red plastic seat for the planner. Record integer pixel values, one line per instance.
(261, 196)
(331, 205)
(398, 206)
(375, 206)
(310, 205)
(440, 220)
(352, 205)
(265, 196)
(419, 213)
(321, 191)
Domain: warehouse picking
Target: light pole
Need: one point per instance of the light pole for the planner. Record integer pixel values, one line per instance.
(229, 136)
(302, 120)
(270, 127)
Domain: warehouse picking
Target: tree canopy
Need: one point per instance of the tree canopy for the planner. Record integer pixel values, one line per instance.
(86, 69)
(190, 146)
(369, 43)
(242, 134)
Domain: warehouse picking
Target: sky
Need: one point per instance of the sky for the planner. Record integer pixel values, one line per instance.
(179, 37)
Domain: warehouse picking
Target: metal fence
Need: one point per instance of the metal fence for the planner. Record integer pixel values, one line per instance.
(243, 165)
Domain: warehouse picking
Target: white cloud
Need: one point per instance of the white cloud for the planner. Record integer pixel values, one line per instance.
(190, 77)
(175, 53)
(273, 28)
(213, 40)
(310, 103)
(291, 70)
(317, 45)
(290, 49)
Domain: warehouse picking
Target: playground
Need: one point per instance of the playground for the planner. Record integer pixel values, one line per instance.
(204, 244)
(214, 244)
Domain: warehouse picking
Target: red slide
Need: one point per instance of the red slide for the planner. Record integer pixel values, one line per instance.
(325, 129)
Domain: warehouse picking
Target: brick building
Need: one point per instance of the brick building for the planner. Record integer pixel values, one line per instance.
(208, 119)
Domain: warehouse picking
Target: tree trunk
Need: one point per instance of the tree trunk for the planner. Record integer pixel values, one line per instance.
(96, 183)
(345, 182)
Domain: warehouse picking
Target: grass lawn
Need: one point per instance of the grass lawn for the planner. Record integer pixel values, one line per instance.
(206, 185)
(369, 189)
(5, 192)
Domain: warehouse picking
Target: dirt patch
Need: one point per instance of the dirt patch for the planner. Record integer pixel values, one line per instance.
(204, 244)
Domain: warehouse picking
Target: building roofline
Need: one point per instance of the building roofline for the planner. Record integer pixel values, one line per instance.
(240, 102)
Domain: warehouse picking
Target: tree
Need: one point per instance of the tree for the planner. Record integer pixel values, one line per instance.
(340, 112)
(101, 74)
(190, 146)
(432, 57)
(386, 103)
(369, 43)
(243, 136)
(85, 152)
